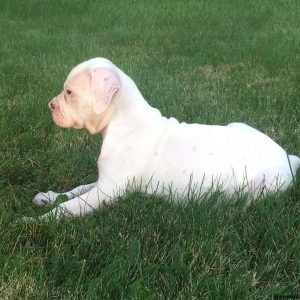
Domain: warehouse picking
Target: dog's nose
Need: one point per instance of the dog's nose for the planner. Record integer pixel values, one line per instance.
(51, 106)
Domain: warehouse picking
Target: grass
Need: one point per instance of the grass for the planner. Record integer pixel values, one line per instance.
(209, 62)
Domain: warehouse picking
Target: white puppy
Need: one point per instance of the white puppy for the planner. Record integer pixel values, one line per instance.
(159, 154)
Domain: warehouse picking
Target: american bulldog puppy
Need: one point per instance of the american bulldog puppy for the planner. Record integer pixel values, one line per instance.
(159, 154)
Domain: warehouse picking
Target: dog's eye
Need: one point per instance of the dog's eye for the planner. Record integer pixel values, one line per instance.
(69, 92)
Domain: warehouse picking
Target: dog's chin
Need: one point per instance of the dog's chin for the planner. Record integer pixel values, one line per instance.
(77, 125)
(62, 122)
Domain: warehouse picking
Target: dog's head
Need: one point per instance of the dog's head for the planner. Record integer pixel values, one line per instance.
(86, 96)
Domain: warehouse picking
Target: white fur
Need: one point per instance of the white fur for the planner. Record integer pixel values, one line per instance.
(142, 146)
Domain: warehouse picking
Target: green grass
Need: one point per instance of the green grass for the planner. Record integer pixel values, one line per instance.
(210, 62)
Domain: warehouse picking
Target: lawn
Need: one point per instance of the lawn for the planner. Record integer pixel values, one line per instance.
(211, 62)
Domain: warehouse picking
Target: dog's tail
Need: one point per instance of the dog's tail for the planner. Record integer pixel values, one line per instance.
(294, 162)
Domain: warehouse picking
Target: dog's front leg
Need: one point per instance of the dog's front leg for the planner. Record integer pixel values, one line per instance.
(50, 196)
(83, 204)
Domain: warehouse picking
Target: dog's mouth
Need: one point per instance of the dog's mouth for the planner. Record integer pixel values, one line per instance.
(62, 121)
(58, 118)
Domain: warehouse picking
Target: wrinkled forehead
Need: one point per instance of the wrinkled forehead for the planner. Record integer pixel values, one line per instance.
(91, 64)
(80, 79)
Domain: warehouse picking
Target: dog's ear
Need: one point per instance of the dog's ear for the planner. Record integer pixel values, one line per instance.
(104, 84)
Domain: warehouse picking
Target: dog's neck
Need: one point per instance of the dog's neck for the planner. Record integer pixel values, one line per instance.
(128, 108)
(100, 122)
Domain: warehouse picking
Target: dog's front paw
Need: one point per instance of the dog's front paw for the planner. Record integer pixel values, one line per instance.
(44, 198)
